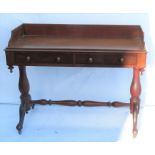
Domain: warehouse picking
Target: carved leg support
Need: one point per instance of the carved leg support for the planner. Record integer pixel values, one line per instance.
(25, 97)
(135, 100)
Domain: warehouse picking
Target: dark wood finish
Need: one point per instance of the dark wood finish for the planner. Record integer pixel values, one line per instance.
(77, 46)
(80, 103)
(135, 100)
(25, 97)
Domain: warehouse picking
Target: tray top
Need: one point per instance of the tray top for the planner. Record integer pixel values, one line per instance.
(96, 37)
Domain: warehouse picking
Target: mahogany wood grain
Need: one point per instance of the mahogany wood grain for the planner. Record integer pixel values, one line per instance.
(25, 97)
(80, 103)
(72, 45)
(135, 100)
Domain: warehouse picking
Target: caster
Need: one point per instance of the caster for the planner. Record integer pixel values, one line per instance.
(19, 129)
(33, 105)
(19, 132)
(135, 132)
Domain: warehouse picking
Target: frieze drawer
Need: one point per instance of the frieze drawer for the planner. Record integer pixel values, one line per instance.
(106, 59)
(43, 58)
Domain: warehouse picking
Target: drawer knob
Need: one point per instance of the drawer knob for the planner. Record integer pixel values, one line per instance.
(90, 60)
(28, 58)
(122, 60)
(58, 59)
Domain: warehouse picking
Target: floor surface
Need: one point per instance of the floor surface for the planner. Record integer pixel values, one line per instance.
(75, 124)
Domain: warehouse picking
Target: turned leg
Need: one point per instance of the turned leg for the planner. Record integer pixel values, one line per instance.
(135, 100)
(24, 97)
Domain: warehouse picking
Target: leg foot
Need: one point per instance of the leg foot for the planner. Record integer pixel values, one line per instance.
(19, 128)
(33, 105)
(135, 116)
(135, 132)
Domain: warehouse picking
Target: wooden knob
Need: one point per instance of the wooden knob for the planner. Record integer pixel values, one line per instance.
(121, 59)
(28, 58)
(58, 59)
(90, 60)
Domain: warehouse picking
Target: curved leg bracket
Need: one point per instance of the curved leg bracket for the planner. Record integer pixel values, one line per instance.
(25, 97)
(135, 91)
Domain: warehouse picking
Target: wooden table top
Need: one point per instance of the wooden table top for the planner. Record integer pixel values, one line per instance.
(76, 46)
(84, 37)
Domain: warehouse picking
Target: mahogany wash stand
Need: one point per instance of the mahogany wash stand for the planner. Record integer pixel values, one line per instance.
(77, 46)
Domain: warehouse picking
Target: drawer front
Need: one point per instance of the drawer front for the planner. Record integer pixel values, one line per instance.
(114, 60)
(79, 59)
(43, 58)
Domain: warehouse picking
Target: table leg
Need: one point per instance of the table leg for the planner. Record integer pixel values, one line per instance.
(25, 97)
(135, 100)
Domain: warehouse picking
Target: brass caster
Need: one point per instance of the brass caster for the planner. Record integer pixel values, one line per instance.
(33, 106)
(135, 132)
(19, 129)
(19, 132)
